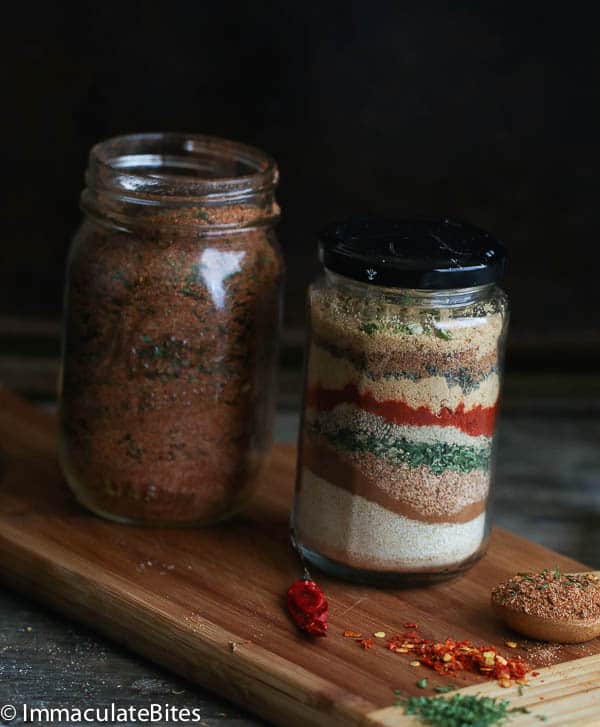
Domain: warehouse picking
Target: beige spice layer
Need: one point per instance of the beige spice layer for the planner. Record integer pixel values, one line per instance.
(334, 323)
(434, 392)
(413, 491)
(408, 361)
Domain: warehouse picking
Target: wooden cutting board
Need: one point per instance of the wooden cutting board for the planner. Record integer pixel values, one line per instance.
(209, 603)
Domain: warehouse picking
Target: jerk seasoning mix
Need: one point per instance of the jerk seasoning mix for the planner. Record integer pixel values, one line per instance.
(551, 594)
(407, 327)
(171, 324)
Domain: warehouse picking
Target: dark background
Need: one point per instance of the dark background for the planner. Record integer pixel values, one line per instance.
(481, 110)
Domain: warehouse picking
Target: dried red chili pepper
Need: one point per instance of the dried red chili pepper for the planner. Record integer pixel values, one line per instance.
(308, 607)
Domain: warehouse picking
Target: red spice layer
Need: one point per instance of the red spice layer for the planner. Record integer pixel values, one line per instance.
(475, 421)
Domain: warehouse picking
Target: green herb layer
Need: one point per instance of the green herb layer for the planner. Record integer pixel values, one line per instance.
(439, 456)
(455, 377)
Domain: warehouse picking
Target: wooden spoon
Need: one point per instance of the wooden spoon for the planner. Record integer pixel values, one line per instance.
(563, 631)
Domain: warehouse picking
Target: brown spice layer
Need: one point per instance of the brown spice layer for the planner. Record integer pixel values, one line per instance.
(167, 369)
(550, 594)
(413, 362)
(416, 493)
(312, 541)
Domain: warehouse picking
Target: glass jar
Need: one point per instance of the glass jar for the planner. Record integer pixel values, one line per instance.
(172, 314)
(407, 329)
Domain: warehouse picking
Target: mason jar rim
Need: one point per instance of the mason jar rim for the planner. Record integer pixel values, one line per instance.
(179, 166)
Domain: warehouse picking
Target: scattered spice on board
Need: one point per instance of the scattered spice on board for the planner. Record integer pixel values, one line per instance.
(308, 607)
(459, 710)
(551, 594)
(453, 656)
(547, 654)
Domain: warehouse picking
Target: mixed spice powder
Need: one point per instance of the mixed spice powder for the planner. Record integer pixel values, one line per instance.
(401, 399)
(171, 328)
(551, 594)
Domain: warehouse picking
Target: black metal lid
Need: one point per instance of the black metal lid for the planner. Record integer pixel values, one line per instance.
(430, 254)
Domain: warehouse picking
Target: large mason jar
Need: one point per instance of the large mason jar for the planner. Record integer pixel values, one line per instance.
(172, 312)
(407, 328)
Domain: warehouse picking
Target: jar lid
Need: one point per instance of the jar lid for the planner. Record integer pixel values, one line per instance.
(421, 253)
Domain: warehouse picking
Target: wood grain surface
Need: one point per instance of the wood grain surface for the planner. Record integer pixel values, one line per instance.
(208, 603)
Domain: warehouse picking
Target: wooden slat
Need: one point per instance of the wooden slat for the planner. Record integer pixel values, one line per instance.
(564, 694)
(208, 603)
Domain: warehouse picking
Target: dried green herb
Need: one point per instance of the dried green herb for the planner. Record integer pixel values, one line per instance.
(444, 335)
(203, 215)
(400, 327)
(459, 710)
(369, 328)
(438, 456)
(445, 689)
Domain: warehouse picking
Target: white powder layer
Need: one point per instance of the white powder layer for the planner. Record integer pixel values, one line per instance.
(336, 523)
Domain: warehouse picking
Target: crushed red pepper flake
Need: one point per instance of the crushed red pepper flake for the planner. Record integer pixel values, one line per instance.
(365, 643)
(453, 656)
(352, 634)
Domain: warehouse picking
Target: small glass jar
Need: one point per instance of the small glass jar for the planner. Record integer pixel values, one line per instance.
(407, 329)
(172, 314)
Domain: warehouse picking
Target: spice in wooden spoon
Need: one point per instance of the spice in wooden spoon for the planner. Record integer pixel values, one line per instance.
(550, 605)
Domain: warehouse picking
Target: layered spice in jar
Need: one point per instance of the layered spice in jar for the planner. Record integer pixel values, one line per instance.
(407, 326)
(172, 311)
